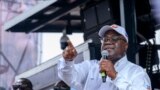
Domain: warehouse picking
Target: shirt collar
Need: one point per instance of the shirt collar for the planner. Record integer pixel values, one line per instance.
(121, 63)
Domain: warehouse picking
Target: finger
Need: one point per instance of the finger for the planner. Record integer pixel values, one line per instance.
(71, 48)
(74, 51)
(69, 54)
(68, 50)
(70, 43)
(64, 55)
(103, 62)
(102, 68)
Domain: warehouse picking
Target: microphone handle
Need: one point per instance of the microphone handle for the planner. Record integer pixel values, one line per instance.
(103, 73)
(104, 56)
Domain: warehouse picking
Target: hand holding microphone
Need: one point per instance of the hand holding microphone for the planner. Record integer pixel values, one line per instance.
(104, 55)
(106, 67)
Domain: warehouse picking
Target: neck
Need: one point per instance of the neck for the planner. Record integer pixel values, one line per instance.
(115, 59)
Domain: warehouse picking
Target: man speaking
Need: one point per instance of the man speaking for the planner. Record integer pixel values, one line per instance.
(113, 72)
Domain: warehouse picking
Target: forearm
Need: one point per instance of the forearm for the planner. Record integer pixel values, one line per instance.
(73, 74)
(65, 71)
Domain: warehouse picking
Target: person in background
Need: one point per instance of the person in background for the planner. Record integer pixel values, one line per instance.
(120, 73)
(23, 84)
(61, 86)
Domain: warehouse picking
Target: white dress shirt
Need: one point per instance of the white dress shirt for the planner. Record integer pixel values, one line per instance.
(86, 76)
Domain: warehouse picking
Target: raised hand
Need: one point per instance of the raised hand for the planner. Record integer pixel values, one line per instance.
(69, 52)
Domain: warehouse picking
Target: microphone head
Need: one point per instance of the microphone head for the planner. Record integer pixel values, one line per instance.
(104, 53)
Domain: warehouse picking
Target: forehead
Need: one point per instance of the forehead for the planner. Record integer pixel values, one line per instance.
(111, 32)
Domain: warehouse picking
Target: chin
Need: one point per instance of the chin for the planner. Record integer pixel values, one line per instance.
(111, 53)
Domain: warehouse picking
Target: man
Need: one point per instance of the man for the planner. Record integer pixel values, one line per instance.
(121, 73)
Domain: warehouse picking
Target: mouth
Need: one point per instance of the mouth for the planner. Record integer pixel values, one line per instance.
(110, 50)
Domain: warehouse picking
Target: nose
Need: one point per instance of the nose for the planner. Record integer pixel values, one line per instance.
(107, 44)
(108, 41)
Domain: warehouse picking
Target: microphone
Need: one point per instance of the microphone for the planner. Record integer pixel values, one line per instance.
(63, 40)
(104, 54)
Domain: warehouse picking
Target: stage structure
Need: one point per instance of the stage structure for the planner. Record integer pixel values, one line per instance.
(44, 76)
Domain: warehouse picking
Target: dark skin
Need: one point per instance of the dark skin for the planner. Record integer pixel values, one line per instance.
(116, 51)
(69, 52)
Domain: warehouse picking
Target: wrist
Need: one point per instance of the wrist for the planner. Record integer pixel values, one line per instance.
(114, 75)
(68, 59)
(67, 62)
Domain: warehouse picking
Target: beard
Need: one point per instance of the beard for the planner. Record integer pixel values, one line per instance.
(114, 55)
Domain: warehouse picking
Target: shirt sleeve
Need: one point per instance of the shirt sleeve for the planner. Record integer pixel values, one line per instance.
(73, 74)
(138, 81)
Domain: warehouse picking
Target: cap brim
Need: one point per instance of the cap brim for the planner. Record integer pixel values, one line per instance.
(103, 30)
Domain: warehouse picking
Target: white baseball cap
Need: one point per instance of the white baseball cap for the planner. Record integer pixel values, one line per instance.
(115, 27)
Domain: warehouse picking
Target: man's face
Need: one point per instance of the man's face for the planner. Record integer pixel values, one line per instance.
(115, 44)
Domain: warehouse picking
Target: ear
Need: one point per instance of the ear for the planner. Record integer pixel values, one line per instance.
(126, 46)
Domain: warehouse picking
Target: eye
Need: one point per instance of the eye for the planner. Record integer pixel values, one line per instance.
(115, 38)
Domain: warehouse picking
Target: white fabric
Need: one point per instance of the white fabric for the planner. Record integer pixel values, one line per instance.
(86, 76)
